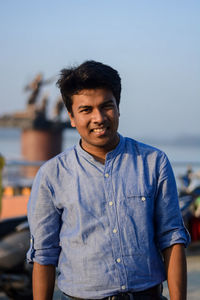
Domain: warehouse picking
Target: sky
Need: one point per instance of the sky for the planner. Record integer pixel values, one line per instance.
(154, 45)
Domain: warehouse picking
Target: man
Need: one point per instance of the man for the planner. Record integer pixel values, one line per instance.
(105, 211)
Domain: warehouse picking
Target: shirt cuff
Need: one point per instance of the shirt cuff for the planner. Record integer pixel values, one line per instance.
(179, 236)
(43, 256)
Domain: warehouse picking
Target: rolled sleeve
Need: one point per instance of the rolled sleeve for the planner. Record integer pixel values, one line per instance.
(44, 221)
(169, 223)
(43, 256)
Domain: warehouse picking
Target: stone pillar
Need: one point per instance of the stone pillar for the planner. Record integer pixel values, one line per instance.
(39, 145)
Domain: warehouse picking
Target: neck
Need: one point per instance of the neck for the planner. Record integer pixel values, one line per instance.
(100, 159)
(99, 153)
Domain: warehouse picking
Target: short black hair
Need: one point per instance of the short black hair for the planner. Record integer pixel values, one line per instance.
(88, 75)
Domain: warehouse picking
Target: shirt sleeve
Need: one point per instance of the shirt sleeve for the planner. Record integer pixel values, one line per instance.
(44, 221)
(170, 228)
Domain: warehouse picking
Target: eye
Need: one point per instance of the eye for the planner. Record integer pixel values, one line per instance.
(108, 106)
(85, 110)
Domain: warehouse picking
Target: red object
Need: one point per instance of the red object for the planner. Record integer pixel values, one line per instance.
(194, 229)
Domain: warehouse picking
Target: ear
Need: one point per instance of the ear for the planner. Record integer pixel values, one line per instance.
(71, 119)
(118, 112)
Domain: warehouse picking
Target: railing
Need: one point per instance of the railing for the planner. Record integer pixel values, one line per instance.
(20, 173)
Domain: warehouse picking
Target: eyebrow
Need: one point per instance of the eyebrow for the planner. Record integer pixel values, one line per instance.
(89, 106)
(84, 106)
(108, 101)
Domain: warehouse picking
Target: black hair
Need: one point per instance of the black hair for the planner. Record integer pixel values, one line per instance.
(89, 75)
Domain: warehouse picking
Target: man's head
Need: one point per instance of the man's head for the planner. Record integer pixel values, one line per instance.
(89, 75)
(91, 93)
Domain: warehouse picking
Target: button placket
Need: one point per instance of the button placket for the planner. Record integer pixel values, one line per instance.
(112, 214)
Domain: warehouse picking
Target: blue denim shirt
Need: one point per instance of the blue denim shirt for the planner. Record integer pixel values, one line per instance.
(105, 225)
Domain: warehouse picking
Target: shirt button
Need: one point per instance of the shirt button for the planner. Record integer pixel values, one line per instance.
(107, 175)
(110, 203)
(118, 260)
(114, 230)
(143, 198)
(123, 287)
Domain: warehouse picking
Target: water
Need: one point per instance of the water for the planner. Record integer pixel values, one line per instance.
(10, 142)
(180, 156)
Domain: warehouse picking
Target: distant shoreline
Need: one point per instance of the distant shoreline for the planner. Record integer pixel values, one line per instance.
(183, 140)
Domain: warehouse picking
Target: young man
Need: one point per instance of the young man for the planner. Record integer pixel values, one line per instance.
(105, 211)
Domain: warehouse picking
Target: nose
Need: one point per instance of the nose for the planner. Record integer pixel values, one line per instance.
(98, 116)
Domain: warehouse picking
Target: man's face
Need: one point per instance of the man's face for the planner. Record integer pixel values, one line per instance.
(96, 116)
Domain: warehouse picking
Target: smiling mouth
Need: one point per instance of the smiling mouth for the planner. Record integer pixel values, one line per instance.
(99, 130)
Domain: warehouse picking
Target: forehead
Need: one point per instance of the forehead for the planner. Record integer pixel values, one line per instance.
(92, 96)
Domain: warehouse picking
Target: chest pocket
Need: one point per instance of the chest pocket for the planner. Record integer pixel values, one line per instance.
(139, 205)
(136, 215)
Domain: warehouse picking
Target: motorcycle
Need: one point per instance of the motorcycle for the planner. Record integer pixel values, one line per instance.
(189, 200)
(15, 273)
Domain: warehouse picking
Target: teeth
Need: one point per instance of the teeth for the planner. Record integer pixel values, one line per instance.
(98, 129)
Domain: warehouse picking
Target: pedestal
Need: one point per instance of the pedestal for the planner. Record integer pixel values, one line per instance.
(39, 145)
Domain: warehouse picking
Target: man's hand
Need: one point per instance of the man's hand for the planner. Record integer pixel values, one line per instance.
(176, 269)
(43, 281)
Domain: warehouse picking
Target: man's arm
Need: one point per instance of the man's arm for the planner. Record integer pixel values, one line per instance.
(176, 270)
(43, 281)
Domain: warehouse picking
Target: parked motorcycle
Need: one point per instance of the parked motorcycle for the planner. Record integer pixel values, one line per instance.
(15, 273)
(189, 199)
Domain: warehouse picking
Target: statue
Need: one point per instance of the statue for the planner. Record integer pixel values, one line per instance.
(58, 108)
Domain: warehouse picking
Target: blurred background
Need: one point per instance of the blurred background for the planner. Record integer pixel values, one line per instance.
(154, 45)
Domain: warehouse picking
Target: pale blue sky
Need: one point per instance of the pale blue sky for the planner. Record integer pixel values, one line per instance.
(155, 46)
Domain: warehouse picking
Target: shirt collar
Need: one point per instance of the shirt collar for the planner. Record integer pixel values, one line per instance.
(109, 155)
